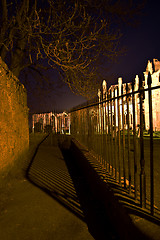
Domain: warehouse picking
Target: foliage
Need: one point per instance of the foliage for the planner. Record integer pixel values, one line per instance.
(70, 37)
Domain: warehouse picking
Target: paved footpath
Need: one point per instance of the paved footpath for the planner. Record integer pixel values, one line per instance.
(44, 206)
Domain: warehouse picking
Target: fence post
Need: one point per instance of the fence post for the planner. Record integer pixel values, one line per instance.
(109, 133)
(115, 137)
(119, 136)
(104, 124)
(128, 139)
(151, 142)
(142, 161)
(111, 127)
(99, 125)
(123, 130)
(134, 140)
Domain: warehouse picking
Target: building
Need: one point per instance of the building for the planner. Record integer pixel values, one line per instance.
(55, 122)
(155, 76)
(154, 69)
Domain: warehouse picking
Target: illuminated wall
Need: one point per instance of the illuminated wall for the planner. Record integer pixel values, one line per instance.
(155, 81)
(60, 122)
(14, 129)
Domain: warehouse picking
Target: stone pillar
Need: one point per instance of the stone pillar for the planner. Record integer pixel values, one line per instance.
(33, 123)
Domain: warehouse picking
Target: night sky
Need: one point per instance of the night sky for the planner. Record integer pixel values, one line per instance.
(143, 44)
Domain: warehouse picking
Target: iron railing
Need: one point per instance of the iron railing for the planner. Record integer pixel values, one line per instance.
(120, 131)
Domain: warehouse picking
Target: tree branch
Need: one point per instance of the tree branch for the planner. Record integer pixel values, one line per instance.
(4, 11)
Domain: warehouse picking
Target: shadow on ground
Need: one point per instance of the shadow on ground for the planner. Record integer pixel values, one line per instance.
(83, 196)
(95, 215)
(54, 180)
(132, 206)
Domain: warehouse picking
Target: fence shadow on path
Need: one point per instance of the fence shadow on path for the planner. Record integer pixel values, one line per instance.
(95, 216)
(96, 211)
(58, 184)
(71, 189)
(54, 181)
(132, 206)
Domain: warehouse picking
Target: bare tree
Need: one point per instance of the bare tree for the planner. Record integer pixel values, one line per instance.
(69, 36)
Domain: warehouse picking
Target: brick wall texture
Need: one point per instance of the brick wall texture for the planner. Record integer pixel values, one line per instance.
(14, 130)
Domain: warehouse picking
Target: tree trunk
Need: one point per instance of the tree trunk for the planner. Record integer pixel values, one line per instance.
(17, 58)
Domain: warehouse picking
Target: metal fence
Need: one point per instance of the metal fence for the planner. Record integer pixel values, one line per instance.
(120, 130)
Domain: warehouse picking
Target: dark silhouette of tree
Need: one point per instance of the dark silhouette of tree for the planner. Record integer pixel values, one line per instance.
(38, 127)
(69, 36)
(48, 129)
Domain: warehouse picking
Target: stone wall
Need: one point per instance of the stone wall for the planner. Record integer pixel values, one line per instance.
(14, 129)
